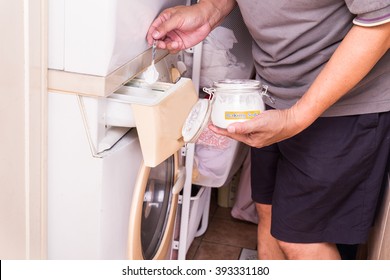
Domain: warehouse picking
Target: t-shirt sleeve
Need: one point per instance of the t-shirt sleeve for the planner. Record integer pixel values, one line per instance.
(369, 13)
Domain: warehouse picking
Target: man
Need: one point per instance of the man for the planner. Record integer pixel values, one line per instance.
(325, 138)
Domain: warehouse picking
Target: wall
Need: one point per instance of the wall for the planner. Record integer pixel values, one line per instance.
(23, 129)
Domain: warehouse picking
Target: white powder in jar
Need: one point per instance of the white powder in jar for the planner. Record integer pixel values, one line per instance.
(235, 107)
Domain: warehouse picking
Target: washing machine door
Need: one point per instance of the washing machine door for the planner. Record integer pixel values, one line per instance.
(153, 210)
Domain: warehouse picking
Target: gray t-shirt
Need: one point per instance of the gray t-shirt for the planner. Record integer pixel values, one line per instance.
(293, 39)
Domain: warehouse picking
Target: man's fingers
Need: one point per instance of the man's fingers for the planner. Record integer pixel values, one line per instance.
(244, 127)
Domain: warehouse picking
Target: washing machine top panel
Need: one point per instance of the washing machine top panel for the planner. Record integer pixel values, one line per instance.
(97, 37)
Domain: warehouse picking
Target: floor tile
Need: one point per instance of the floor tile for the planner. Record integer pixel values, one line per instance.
(223, 213)
(226, 238)
(248, 254)
(230, 232)
(193, 248)
(214, 251)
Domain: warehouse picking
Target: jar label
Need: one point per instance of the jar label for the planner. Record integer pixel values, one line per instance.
(241, 115)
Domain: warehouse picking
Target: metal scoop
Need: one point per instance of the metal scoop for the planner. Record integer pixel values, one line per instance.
(151, 74)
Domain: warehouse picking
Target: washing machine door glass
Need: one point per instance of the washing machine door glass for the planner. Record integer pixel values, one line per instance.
(156, 206)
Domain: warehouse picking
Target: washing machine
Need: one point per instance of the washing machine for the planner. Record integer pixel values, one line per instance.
(111, 183)
(88, 189)
(115, 167)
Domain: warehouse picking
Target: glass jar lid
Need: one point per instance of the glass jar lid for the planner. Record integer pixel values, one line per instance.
(237, 84)
(196, 121)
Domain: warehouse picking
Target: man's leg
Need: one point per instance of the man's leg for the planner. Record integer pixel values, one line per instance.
(310, 251)
(328, 183)
(267, 246)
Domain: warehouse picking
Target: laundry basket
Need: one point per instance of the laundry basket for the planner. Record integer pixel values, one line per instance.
(226, 52)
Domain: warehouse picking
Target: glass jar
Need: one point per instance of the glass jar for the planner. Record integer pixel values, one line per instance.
(236, 100)
(232, 100)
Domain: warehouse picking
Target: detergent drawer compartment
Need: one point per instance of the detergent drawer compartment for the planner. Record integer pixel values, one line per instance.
(158, 112)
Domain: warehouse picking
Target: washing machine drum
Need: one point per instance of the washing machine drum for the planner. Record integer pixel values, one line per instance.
(153, 213)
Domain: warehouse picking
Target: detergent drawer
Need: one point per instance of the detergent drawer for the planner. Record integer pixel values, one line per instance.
(158, 112)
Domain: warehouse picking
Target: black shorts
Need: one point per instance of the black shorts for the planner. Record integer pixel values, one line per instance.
(324, 183)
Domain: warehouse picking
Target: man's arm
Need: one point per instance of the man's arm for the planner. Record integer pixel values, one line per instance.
(353, 59)
(182, 27)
